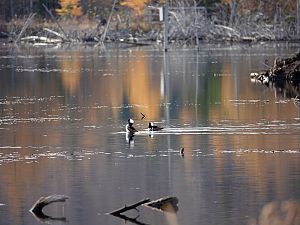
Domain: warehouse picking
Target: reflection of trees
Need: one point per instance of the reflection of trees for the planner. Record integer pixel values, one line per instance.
(111, 81)
(279, 213)
(70, 71)
(140, 89)
(285, 89)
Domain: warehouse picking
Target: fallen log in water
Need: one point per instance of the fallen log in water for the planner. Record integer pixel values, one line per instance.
(166, 204)
(37, 208)
(287, 69)
(126, 208)
(39, 39)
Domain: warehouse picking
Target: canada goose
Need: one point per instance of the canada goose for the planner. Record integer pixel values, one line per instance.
(129, 127)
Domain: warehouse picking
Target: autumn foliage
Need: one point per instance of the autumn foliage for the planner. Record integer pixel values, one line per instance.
(69, 8)
(137, 5)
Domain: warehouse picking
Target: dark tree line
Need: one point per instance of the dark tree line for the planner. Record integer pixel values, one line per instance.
(18, 8)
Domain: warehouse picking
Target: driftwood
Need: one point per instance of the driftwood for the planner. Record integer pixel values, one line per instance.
(282, 70)
(126, 208)
(166, 204)
(37, 208)
(41, 39)
(54, 32)
(283, 76)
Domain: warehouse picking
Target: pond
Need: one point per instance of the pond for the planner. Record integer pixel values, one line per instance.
(63, 113)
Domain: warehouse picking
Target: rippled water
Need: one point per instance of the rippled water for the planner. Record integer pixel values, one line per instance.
(63, 113)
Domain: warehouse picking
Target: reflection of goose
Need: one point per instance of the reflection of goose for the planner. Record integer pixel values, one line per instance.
(129, 139)
(152, 127)
(129, 127)
(182, 151)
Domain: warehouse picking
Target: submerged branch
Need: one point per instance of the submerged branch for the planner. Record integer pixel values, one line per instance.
(126, 208)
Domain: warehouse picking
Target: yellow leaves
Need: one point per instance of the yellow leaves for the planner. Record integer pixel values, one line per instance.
(69, 8)
(137, 5)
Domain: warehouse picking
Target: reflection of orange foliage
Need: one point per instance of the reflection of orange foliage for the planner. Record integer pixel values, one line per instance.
(279, 213)
(139, 89)
(70, 74)
(23, 175)
(228, 110)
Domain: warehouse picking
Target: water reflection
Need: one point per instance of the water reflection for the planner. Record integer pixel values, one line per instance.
(129, 139)
(62, 117)
(70, 65)
(43, 218)
(286, 90)
(279, 212)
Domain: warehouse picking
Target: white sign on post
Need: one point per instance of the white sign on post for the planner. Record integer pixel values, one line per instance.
(161, 14)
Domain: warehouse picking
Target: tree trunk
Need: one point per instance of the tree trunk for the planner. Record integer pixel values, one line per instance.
(30, 6)
(233, 12)
(298, 17)
(12, 9)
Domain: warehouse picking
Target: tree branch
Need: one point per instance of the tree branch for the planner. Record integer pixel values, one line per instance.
(126, 208)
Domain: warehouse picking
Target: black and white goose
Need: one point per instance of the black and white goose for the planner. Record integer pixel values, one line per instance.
(152, 127)
(129, 127)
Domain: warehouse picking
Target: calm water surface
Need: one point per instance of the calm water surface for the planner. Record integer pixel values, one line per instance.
(62, 118)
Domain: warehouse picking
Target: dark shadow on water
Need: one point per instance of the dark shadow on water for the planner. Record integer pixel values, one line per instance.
(288, 90)
(132, 220)
(43, 218)
(167, 205)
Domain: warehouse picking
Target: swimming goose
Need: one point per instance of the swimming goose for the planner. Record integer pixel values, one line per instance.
(152, 127)
(129, 127)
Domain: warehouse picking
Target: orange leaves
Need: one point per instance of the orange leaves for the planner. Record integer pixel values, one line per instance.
(137, 5)
(226, 1)
(69, 8)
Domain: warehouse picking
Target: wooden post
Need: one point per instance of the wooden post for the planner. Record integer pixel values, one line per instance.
(298, 17)
(196, 24)
(166, 24)
(108, 22)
